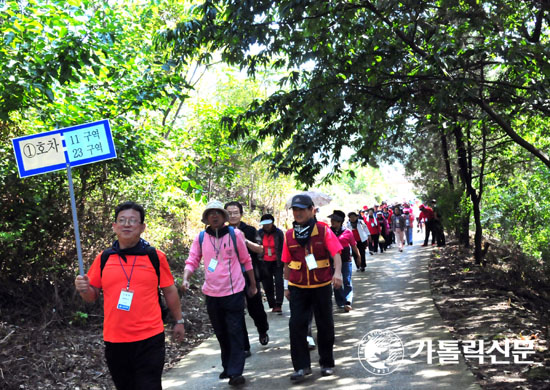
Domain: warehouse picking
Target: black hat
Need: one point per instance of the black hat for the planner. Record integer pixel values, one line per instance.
(267, 219)
(301, 201)
(352, 213)
(338, 215)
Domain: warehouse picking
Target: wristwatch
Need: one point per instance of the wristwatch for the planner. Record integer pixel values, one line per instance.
(181, 321)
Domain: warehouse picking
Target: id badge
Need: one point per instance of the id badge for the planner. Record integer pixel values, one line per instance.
(213, 264)
(269, 251)
(125, 300)
(311, 262)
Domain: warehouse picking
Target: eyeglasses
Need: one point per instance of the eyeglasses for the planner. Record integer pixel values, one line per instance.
(128, 221)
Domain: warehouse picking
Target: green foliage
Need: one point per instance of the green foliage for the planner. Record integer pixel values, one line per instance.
(359, 73)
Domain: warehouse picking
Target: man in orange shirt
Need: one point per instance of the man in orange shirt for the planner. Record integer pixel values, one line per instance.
(133, 330)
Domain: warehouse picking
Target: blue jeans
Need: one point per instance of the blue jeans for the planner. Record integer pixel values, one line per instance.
(344, 295)
(409, 231)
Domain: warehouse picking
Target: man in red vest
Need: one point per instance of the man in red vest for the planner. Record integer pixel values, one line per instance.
(308, 277)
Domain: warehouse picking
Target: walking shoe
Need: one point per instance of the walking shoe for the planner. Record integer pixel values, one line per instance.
(433, 243)
(400, 250)
(424, 245)
(277, 309)
(223, 375)
(264, 338)
(347, 308)
(371, 253)
(247, 353)
(327, 371)
(362, 269)
(236, 380)
(310, 342)
(300, 375)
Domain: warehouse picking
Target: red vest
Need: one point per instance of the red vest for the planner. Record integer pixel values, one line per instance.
(300, 275)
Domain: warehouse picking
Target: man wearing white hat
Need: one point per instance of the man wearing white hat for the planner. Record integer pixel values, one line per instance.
(223, 251)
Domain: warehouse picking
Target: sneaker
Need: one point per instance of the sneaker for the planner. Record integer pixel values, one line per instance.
(247, 353)
(433, 243)
(236, 380)
(264, 338)
(362, 269)
(371, 253)
(310, 342)
(223, 375)
(300, 375)
(347, 308)
(277, 309)
(327, 371)
(400, 250)
(424, 245)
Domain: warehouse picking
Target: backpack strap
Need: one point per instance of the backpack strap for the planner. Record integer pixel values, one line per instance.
(234, 238)
(154, 258)
(201, 238)
(104, 257)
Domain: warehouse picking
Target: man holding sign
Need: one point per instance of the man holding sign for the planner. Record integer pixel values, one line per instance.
(133, 329)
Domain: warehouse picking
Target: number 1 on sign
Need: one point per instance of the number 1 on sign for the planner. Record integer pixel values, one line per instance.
(74, 139)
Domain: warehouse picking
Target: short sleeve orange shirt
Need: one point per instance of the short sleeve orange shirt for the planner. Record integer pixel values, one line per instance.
(144, 318)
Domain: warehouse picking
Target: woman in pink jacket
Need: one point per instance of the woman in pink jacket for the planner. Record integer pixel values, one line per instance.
(223, 285)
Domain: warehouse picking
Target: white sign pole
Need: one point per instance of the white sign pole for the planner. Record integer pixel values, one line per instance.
(75, 222)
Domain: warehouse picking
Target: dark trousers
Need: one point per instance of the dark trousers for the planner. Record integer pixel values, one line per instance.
(361, 246)
(439, 233)
(383, 245)
(273, 283)
(256, 310)
(227, 318)
(301, 302)
(373, 244)
(430, 228)
(137, 365)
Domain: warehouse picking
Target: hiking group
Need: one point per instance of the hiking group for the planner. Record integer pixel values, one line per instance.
(306, 264)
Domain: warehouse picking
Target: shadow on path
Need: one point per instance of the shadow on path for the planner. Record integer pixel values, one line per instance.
(392, 294)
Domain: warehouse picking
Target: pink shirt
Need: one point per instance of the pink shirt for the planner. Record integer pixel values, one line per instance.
(347, 238)
(227, 278)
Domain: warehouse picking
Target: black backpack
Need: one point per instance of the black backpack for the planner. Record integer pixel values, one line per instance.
(154, 258)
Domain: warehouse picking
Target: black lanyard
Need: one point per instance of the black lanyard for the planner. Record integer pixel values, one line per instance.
(131, 272)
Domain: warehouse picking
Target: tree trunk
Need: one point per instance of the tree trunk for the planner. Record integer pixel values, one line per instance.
(466, 175)
(445, 152)
(478, 250)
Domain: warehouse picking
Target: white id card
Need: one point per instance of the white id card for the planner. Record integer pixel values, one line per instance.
(269, 251)
(213, 264)
(311, 262)
(125, 300)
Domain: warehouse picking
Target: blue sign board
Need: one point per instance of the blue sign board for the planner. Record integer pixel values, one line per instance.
(53, 150)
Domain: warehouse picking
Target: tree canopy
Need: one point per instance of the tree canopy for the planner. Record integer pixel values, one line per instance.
(359, 72)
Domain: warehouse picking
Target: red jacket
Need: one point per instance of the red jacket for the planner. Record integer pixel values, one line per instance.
(427, 213)
(319, 246)
(372, 224)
